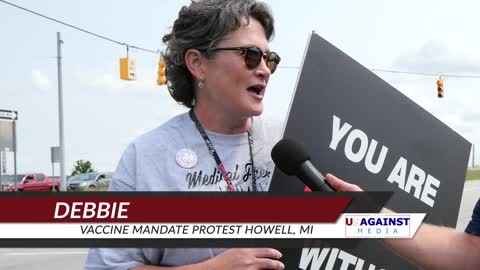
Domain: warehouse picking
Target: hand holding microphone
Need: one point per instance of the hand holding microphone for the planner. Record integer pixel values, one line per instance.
(340, 185)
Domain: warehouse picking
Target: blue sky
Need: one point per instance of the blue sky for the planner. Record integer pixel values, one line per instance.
(103, 114)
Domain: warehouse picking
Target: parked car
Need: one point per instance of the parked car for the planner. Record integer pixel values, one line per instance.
(89, 181)
(8, 180)
(31, 182)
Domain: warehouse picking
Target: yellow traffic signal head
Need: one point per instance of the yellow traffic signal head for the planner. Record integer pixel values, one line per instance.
(127, 69)
(162, 64)
(161, 80)
(440, 88)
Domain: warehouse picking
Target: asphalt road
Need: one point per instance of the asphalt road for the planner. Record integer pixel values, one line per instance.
(73, 258)
(42, 258)
(471, 193)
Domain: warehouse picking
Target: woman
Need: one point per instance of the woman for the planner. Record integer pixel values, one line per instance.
(218, 64)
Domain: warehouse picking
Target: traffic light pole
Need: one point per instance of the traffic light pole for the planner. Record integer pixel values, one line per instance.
(473, 155)
(60, 113)
(14, 128)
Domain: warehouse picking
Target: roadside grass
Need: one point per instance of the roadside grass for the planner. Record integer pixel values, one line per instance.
(473, 174)
(98, 188)
(105, 188)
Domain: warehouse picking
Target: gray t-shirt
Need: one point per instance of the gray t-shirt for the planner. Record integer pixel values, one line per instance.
(150, 164)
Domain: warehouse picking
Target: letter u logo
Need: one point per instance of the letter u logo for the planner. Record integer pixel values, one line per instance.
(349, 221)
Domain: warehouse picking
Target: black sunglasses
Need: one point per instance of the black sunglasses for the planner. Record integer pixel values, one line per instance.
(253, 56)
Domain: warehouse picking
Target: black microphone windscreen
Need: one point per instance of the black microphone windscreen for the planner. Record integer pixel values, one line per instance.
(288, 155)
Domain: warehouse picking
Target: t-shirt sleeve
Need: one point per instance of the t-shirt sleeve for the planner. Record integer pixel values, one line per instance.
(474, 225)
(273, 130)
(122, 258)
(123, 178)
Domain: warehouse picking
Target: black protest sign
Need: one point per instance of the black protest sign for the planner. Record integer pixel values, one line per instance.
(360, 128)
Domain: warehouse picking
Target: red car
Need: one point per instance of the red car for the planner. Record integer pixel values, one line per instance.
(31, 182)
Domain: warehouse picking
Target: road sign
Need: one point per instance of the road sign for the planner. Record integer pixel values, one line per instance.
(55, 153)
(6, 136)
(9, 115)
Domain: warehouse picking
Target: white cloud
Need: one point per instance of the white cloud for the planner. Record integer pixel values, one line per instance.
(108, 82)
(111, 83)
(106, 78)
(436, 56)
(458, 109)
(41, 81)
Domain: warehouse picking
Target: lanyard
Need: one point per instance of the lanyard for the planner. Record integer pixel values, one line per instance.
(215, 156)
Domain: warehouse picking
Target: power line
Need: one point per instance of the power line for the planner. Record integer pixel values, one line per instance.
(80, 29)
(406, 72)
(426, 74)
(157, 51)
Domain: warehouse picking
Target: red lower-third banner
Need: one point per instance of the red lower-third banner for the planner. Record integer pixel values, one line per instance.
(172, 207)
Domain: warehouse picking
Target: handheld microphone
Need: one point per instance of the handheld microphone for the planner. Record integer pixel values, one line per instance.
(291, 158)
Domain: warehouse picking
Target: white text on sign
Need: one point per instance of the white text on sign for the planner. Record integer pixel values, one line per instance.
(416, 181)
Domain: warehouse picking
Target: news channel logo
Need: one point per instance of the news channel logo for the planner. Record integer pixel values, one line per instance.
(377, 226)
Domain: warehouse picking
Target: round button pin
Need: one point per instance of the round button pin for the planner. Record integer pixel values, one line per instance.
(186, 158)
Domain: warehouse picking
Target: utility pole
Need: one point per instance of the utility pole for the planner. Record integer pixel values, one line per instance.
(60, 113)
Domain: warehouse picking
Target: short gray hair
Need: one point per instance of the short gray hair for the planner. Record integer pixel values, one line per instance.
(202, 25)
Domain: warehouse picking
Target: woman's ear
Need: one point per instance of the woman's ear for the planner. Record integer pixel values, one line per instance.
(196, 64)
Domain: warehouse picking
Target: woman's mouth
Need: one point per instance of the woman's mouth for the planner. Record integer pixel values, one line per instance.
(256, 90)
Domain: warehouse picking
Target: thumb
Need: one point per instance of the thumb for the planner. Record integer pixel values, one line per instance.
(341, 185)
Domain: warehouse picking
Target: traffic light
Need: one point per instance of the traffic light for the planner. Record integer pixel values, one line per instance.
(440, 88)
(161, 80)
(127, 69)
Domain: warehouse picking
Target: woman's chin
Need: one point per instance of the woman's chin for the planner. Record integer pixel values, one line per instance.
(256, 111)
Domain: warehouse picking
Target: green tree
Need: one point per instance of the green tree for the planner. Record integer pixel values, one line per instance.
(82, 167)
